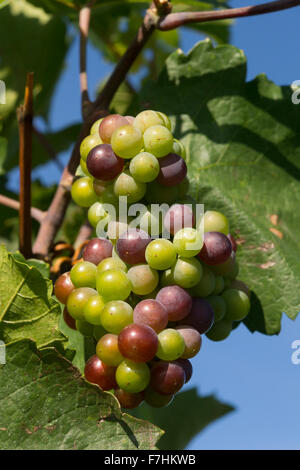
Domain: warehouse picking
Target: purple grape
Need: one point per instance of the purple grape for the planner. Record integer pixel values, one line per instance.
(97, 250)
(201, 316)
(103, 163)
(178, 217)
(216, 248)
(152, 313)
(131, 246)
(167, 377)
(172, 170)
(187, 367)
(176, 301)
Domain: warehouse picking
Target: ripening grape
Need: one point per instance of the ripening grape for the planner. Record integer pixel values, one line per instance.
(237, 304)
(96, 213)
(103, 163)
(158, 140)
(113, 284)
(220, 330)
(206, 285)
(138, 343)
(111, 263)
(93, 309)
(70, 321)
(147, 119)
(187, 272)
(188, 242)
(218, 305)
(192, 340)
(63, 287)
(82, 192)
(116, 315)
(170, 345)
(152, 313)
(95, 127)
(107, 350)
(83, 274)
(125, 185)
(77, 300)
(167, 378)
(97, 250)
(178, 217)
(187, 367)
(98, 373)
(155, 399)
(216, 248)
(131, 246)
(109, 124)
(215, 222)
(133, 377)
(172, 170)
(201, 316)
(85, 328)
(87, 144)
(127, 141)
(158, 194)
(160, 254)
(176, 301)
(144, 167)
(144, 279)
(129, 400)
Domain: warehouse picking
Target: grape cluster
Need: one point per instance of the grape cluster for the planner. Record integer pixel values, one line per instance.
(147, 301)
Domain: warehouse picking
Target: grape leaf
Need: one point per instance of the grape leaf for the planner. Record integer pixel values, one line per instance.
(26, 307)
(45, 404)
(187, 415)
(243, 149)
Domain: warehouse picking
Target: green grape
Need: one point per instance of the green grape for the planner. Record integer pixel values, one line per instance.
(167, 278)
(126, 185)
(188, 242)
(127, 141)
(83, 274)
(88, 144)
(114, 231)
(77, 300)
(113, 284)
(95, 127)
(85, 328)
(109, 197)
(155, 399)
(166, 120)
(144, 167)
(133, 377)
(206, 285)
(158, 140)
(143, 279)
(147, 119)
(179, 148)
(111, 263)
(96, 213)
(187, 272)
(83, 193)
(98, 332)
(183, 188)
(170, 345)
(116, 315)
(220, 330)
(92, 310)
(84, 169)
(218, 305)
(107, 350)
(216, 222)
(237, 304)
(219, 287)
(158, 194)
(160, 254)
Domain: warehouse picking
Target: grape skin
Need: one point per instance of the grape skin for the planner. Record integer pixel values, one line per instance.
(152, 313)
(97, 250)
(129, 400)
(138, 343)
(133, 377)
(103, 163)
(172, 171)
(178, 217)
(167, 378)
(131, 246)
(192, 341)
(216, 248)
(201, 316)
(70, 321)
(143, 279)
(176, 301)
(115, 315)
(109, 124)
(107, 350)
(63, 287)
(98, 373)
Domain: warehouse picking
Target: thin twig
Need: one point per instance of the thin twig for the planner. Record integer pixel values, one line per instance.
(36, 214)
(174, 20)
(24, 114)
(47, 146)
(84, 24)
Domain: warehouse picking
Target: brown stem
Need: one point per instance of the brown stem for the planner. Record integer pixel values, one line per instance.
(84, 234)
(24, 114)
(47, 146)
(36, 214)
(163, 6)
(174, 20)
(84, 24)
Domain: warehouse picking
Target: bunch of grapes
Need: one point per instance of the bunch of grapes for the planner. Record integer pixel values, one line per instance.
(147, 301)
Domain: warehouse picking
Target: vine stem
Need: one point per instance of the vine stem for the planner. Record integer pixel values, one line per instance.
(174, 20)
(25, 116)
(84, 24)
(36, 214)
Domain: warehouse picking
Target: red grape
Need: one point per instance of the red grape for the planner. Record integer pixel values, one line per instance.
(98, 373)
(63, 287)
(152, 313)
(109, 124)
(138, 343)
(70, 321)
(167, 378)
(103, 163)
(131, 246)
(178, 217)
(97, 250)
(187, 367)
(216, 248)
(201, 316)
(192, 341)
(129, 400)
(176, 301)
(172, 170)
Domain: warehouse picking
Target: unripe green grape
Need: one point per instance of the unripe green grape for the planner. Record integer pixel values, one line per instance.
(96, 213)
(116, 315)
(155, 399)
(216, 222)
(206, 285)
(147, 119)
(219, 287)
(111, 263)
(220, 330)
(95, 127)
(87, 144)
(170, 345)
(133, 377)
(188, 242)
(126, 185)
(158, 194)
(83, 193)
(218, 305)
(85, 328)
(98, 332)
(113, 284)
(84, 169)
(92, 310)
(143, 279)
(77, 300)
(187, 272)
(237, 304)
(158, 140)
(107, 350)
(179, 148)
(109, 196)
(151, 223)
(160, 254)
(114, 231)
(83, 274)
(127, 141)
(144, 167)
(166, 120)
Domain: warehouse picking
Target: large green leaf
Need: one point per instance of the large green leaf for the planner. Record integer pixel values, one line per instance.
(187, 415)
(26, 307)
(243, 148)
(45, 404)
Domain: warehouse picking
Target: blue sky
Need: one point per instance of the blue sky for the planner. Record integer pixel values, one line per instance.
(250, 371)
